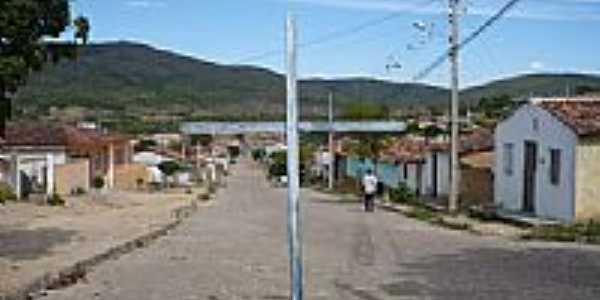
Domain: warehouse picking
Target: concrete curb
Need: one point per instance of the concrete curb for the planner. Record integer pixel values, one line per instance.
(55, 280)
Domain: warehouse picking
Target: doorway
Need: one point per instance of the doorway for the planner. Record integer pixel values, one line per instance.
(529, 176)
(434, 174)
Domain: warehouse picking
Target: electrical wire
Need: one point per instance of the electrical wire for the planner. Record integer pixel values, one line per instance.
(325, 38)
(442, 58)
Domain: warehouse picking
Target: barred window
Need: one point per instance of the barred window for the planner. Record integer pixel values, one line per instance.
(508, 158)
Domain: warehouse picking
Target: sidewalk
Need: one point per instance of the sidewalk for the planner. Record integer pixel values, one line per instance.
(486, 228)
(475, 226)
(40, 245)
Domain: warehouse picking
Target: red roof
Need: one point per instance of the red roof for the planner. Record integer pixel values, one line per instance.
(40, 134)
(581, 115)
(34, 134)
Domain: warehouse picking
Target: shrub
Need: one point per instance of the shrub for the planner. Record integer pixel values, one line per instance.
(169, 168)
(98, 182)
(204, 196)
(584, 232)
(258, 154)
(56, 200)
(6, 193)
(423, 214)
(212, 188)
(402, 194)
(78, 191)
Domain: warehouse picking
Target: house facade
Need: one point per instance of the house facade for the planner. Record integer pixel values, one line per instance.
(546, 162)
(46, 159)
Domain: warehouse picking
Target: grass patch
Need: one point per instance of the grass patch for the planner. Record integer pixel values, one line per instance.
(582, 232)
(403, 195)
(435, 218)
(6, 193)
(423, 214)
(56, 200)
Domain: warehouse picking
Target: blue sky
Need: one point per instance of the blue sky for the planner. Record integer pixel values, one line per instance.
(538, 35)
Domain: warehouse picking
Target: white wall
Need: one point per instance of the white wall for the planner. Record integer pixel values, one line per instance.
(550, 200)
(412, 181)
(34, 162)
(443, 174)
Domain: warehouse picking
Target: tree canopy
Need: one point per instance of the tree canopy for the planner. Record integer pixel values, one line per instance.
(25, 27)
(365, 111)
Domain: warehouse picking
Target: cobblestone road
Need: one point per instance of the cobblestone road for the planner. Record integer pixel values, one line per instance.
(237, 250)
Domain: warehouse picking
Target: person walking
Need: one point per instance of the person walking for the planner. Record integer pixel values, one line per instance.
(369, 183)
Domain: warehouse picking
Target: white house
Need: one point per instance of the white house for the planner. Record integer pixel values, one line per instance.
(547, 161)
(32, 151)
(436, 173)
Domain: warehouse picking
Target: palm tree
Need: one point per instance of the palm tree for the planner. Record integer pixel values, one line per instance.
(82, 29)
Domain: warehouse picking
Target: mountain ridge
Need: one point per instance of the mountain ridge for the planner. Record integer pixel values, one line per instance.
(131, 78)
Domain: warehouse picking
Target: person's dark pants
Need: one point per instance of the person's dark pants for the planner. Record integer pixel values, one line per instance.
(369, 202)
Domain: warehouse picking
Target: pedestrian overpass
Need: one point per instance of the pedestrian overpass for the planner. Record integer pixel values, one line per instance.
(234, 128)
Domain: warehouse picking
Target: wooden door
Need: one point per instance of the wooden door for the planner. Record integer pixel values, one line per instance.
(529, 176)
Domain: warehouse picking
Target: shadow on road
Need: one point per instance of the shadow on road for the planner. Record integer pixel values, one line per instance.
(337, 201)
(496, 273)
(22, 244)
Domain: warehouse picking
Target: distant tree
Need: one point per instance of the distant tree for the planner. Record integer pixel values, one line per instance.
(432, 131)
(496, 106)
(203, 139)
(145, 145)
(586, 89)
(369, 146)
(169, 168)
(24, 24)
(413, 128)
(365, 111)
(82, 29)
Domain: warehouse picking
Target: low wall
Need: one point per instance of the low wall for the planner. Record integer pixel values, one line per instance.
(128, 175)
(476, 187)
(72, 176)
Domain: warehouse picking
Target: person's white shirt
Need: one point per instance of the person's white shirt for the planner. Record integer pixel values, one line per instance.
(370, 183)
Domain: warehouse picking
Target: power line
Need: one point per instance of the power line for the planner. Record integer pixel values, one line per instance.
(442, 58)
(325, 38)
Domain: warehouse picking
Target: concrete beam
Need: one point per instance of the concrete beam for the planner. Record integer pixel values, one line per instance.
(233, 128)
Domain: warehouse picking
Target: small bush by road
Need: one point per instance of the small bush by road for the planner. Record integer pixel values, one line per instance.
(583, 232)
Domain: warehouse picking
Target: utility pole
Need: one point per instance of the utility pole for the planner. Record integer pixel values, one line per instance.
(331, 146)
(454, 69)
(293, 165)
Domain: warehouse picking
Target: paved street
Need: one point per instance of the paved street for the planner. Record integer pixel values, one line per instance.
(238, 250)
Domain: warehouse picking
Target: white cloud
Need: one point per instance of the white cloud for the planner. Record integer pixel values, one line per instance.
(421, 6)
(537, 65)
(574, 10)
(145, 4)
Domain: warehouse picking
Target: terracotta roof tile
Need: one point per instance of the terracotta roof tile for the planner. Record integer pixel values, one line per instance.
(582, 116)
(34, 134)
(40, 134)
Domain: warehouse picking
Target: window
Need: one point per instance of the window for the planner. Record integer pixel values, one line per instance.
(508, 157)
(405, 171)
(555, 156)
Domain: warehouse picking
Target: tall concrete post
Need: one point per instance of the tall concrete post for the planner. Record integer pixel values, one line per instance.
(16, 168)
(454, 107)
(111, 166)
(49, 174)
(331, 175)
(293, 166)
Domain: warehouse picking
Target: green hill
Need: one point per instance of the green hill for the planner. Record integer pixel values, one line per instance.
(129, 80)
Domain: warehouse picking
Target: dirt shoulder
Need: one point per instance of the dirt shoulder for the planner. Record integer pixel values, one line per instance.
(38, 242)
